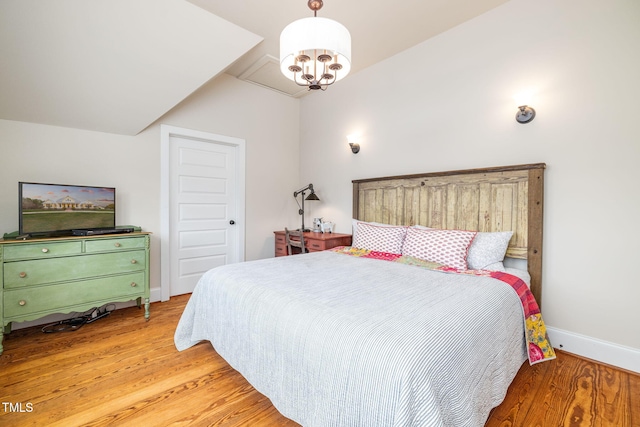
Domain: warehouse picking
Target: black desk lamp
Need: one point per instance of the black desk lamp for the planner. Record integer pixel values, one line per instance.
(311, 196)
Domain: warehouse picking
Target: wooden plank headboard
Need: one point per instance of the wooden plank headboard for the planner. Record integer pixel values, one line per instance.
(508, 198)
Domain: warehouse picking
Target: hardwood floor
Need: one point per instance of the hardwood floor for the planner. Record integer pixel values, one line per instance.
(570, 392)
(124, 371)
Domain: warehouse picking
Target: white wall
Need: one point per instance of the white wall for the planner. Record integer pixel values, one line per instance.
(269, 122)
(447, 104)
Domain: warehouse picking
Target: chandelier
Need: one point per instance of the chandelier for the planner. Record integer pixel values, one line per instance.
(315, 52)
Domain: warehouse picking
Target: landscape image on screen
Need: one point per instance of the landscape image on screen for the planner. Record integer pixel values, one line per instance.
(47, 207)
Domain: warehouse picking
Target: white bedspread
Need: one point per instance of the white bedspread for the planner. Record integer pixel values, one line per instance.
(335, 340)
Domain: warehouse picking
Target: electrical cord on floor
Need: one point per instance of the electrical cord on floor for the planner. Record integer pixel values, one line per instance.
(75, 323)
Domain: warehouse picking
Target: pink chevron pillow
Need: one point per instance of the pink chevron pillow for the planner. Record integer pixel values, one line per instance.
(379, 238)
(448, 247)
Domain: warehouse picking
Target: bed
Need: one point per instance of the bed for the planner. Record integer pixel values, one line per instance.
(364, 336)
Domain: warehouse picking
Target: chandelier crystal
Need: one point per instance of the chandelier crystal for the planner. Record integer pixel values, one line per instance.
(315, 52)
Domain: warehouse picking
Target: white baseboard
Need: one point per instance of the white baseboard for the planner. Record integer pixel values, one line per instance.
(602, 351)
(155, 294)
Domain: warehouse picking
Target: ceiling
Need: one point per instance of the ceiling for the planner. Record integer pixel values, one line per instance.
(118, 65)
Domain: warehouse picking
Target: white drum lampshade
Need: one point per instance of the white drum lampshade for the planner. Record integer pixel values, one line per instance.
(315, 52)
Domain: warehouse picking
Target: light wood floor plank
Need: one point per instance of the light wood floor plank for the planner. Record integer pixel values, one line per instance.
(124, 371)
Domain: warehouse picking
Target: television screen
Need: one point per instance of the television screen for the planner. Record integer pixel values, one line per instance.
(56, 209)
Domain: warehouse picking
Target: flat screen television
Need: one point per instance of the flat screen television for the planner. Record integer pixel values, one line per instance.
(57, 209)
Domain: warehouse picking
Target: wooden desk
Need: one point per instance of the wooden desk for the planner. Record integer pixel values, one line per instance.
(315, 242)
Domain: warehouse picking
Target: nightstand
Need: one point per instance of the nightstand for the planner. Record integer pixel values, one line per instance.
(315, 242)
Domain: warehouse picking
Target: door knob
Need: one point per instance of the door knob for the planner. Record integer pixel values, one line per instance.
(232, 222)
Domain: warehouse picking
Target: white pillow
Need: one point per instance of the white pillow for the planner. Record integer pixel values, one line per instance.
(487, 250)
(448, 247)
(381, 238)
(422, 227)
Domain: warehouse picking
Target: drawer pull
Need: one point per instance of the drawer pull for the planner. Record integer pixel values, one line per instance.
(117, 245)
(22, 302)
(134, 284)
(22, 274)
(133, 261)
(45, 250)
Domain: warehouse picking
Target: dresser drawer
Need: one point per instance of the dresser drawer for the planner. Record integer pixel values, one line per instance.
(41, 271)
(281, 244)
(281, 249)
(41, 250)
(28, 301)
(330, 242)
(316, 245)
(116, 244)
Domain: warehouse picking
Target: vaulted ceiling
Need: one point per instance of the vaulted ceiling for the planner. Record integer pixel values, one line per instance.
(118, 65)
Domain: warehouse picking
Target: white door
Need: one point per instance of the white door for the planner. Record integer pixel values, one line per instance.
(205, 206)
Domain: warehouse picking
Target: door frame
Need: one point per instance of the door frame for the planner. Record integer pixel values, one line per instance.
(166, 132)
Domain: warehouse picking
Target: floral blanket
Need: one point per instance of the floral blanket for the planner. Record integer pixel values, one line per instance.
(539, 348)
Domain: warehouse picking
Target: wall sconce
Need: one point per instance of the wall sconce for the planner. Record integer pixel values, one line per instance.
(525, 114)
(353, 143)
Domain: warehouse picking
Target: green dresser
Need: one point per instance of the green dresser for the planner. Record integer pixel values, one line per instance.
(71, 274)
